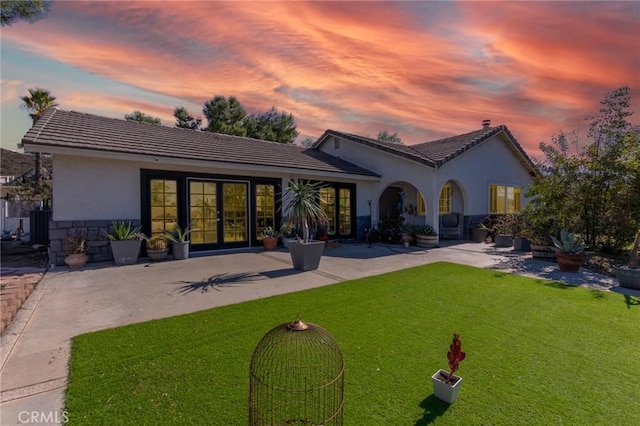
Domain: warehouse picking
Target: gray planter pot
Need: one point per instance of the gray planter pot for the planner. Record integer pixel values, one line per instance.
(628, 278)
(306, 257)
(446, 392)
(479, 235)
(180, 250)
(543, 252)
(125, 252)
(504, 240)
(521, 244)
(286, 241)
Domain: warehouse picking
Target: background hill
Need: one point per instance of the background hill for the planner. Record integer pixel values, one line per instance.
(14, 163)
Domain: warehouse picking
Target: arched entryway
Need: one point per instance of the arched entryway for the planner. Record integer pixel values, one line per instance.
(400, 203)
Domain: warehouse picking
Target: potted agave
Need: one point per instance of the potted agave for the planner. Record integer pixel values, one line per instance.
(426, 236)
(629, 276)
(76, 249)
(269, 239)
(446, 385)
(125, 240)
(302, 206)
(569, 250)
(179, 240)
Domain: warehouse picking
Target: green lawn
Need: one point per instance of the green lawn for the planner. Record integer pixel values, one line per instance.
(538, 353)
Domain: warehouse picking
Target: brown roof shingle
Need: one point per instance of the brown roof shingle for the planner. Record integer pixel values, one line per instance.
(70, 129)
(438, 152)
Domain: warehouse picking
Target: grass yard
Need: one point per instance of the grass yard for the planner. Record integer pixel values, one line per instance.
(538, 353)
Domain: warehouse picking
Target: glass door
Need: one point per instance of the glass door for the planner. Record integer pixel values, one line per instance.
(219, 214)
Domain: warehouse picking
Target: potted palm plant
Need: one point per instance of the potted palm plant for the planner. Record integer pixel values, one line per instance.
(569, 250)
(76, 248)
(301, 204)
(179, 240)
(446, 385)
(629, 276)
(125, 240)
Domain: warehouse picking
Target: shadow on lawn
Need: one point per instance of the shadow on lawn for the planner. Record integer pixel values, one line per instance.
(433, 408)
(216, 282)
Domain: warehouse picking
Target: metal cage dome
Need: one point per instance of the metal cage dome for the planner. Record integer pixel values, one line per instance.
(296, 377)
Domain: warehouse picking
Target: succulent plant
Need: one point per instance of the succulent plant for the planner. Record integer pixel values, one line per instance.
(569, 242)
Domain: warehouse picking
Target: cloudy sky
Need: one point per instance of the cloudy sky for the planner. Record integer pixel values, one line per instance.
(425, 70)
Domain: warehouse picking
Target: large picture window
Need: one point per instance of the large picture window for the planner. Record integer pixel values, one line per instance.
(504, 199)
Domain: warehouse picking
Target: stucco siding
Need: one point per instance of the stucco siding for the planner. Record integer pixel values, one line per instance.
(491, 162)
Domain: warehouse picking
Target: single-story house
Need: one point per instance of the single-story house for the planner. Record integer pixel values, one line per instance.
(229, 188)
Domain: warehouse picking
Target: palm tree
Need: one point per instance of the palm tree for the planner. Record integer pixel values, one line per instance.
(36, 103)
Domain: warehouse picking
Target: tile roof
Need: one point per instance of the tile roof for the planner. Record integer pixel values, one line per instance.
(70, 129)
(438, 152)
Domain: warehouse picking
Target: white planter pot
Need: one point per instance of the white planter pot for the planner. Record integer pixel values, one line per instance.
(445, 392)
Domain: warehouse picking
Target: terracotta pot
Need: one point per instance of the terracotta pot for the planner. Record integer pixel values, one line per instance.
(270, 243)
(76, 260)
(569, 262)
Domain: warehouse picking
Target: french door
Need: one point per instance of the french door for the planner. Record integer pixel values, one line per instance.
(219, 213)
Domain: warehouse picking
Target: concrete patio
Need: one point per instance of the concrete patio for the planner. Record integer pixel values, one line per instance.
(36, 346)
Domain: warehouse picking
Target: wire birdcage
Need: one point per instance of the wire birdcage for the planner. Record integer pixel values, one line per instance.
(296, 377)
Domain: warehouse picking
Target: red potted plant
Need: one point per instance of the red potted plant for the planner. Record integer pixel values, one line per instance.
(446, 385)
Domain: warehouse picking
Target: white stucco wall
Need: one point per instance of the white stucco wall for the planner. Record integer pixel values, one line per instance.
(491, 162)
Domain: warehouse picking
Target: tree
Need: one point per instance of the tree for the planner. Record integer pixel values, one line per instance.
(37, 103)
(307, 142)
(595, 191)
(387, 137)
(225, 116)
(184, 120)
(141, 117)
(272, 126)
(27, 10)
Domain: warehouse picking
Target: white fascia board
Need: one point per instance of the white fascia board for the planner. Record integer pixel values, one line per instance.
(79, 152)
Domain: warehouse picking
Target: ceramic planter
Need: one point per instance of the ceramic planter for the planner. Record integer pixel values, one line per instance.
(426, 240)
(569, 262)
(125, 252)
(76, 260)
(156, 255)
(306, 256)
(270, 243)
(628, 278)
(503, 240)
(543, 252)
(180, 250)
(287, 240)
(479, 235)
(445, 392)
(521, 244)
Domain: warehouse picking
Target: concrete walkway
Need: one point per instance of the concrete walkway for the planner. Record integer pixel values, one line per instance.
(36, 346)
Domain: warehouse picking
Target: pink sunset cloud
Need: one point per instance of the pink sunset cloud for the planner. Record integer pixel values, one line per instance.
(424, 70)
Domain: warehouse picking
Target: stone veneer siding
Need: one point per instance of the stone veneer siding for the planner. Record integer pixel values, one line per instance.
(363, 223)
(98, 248)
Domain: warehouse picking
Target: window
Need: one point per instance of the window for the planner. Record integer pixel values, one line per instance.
(422, 206)
(345, 211)
(504, 199)
(164, 205)
(265, 208)
(328, 204)
(444, 203)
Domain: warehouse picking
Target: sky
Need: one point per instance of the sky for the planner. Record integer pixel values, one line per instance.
(424, 70)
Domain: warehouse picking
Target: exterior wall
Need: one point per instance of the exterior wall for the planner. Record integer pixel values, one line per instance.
(393, 169)
(491, 162)
(98, 248)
